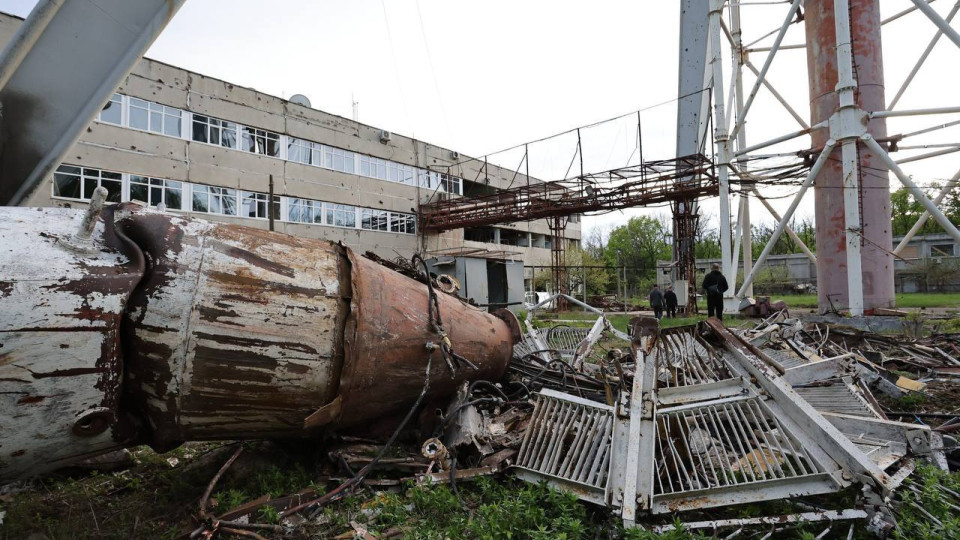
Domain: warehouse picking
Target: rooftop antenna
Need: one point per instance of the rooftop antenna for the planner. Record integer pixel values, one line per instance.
(356, 108)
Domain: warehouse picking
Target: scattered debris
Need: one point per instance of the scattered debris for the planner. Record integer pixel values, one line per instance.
(663, 428)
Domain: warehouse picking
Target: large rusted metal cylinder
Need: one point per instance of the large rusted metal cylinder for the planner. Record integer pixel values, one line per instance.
(877, 262)
(172, 329)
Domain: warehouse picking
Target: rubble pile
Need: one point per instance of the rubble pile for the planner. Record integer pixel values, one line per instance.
(668, 428)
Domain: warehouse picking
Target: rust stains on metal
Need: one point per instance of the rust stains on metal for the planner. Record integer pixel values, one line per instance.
(209, 331)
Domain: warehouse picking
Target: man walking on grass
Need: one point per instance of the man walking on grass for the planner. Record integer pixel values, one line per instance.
(670, 300)
(715, 285)
(656, 301)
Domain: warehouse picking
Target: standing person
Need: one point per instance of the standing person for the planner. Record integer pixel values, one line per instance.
(670, 300)
(715, 285)
(656, 301)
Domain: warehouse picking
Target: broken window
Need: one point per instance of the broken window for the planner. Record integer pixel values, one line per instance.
(450, 184)
(154, 191)
(112, 112)
(306, 152)
(215, 200)
(341, 215)
(941, 250)
(429, 179)
(338, 159)
(214, 131)
(402, 223)
(304, 211)
(260, 141)
(254, 205)
(155, 117)
(79, 183)
(374, 220)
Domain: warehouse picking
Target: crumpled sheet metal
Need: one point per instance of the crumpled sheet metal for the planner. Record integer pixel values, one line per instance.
(710, 421)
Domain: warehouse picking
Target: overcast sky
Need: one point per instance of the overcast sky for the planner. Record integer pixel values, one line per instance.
(483, 76)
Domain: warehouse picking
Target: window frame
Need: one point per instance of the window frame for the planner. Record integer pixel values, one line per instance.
(164, 186)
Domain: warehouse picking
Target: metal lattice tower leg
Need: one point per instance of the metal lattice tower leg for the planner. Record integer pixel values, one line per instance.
(685, 219)
(558, 260)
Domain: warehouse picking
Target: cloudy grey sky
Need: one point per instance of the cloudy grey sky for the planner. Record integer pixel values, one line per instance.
(483, 76)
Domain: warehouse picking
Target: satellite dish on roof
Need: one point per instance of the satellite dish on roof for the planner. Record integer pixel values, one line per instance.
(300, 99)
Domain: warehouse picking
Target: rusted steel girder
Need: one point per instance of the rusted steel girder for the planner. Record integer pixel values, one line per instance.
(167, 329)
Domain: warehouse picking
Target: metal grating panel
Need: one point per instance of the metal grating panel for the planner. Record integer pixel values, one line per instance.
(568, 443)
(838, 397)
(724, 443)
(683, 359)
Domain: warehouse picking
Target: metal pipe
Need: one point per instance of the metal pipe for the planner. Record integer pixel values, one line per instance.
(766, 66)
(929, 155)
(921, 60)
(914, 112)
(917, 193)
(92, 214)
(745, 234)
(846, 85)
(922, 220)
(27, 35)
(780, 139)
(720, 133)
(902, 13)
(782, 48)
(811, 176)
(935, 17)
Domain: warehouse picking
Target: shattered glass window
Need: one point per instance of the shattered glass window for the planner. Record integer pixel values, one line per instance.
(402, 223)
(304, 211)
(214, 200)
(341, 215)
(214, 131)
(67, 182)
(374, 220)
(451, 184)
(112, 112)
(260, 141)
(254, 205)
(154, 191)
(306, 152)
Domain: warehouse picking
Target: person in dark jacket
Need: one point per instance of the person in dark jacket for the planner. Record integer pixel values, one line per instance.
(670, 301)
(656, 301)
(715, 285)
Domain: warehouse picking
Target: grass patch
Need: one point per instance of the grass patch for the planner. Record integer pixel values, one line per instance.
(914, 524)
(904, 300)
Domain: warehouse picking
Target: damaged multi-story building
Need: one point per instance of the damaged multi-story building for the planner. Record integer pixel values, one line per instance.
(207, 147)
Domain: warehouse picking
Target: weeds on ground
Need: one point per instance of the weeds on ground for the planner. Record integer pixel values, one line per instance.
(927, 513)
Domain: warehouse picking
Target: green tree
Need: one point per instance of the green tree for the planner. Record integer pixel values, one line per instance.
(638, 244)
(597, 278)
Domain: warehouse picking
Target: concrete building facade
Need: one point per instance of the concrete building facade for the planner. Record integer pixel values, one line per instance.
(208, 148)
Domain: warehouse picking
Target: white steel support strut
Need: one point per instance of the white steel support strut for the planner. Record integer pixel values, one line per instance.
(742, 113)
(722, 143)
(917, 193)
(922, 220)
(811, 176)
(943, 25)
(921, 60)
(846, 125)
(743, 215)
